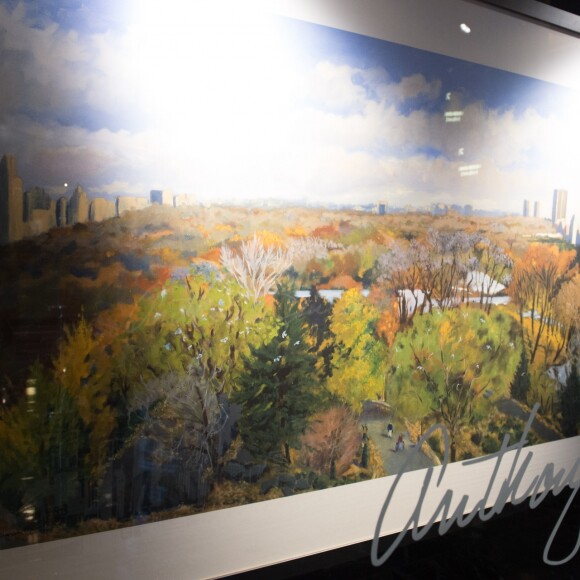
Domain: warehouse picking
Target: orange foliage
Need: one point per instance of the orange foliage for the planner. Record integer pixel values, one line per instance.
(213, 255)
(162, 273)
(269, 239)
(389, 322)
(346, 263)
(169, 256)
(380, 296)
(296, 232)
(540, 257)
(115, 320)
(269, 301)
(342, 282)
(224, 228)
(152, 236)
(332, 438)
(325, 232)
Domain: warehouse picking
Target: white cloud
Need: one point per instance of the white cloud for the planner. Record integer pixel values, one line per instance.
(226, 110)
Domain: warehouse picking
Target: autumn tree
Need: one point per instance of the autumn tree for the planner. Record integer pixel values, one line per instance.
(451, 260)
(359, 359)
(331, 441)
(494, 265)
(537, 279)
(388, 324)
(452, 364)
(207, 321)
(436, 270)
(82, 368)
(395, 270)
(278, 388)
(256, 266)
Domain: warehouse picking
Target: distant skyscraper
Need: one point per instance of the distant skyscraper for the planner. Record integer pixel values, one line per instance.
(78, 207)
(160, 197)
(559, 206)
(526, 208)
(61, 211)
(573, 228)
(11, 202)
(536, 209)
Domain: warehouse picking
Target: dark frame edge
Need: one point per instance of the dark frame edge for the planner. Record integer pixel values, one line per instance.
(538, 11)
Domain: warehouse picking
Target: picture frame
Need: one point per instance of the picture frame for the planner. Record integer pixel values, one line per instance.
(248, 537)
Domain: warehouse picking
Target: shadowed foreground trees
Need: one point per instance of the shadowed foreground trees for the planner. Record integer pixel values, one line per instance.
(43, 451)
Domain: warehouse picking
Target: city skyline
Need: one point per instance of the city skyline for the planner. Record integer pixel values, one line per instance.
(338, 118)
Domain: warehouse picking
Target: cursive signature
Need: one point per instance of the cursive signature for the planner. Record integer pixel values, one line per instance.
(547, 481)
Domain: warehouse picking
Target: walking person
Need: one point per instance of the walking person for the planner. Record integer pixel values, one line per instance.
(400, 445)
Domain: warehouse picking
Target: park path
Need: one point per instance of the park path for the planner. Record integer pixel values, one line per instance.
(394, 462)
(513, 408)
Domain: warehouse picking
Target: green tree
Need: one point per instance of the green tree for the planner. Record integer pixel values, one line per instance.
(453, 364)
(207, 322)
(317, 311)
(278, 389)
(521, 383)
(360, 357)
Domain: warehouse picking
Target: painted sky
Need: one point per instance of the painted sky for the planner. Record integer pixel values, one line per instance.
(125, 97)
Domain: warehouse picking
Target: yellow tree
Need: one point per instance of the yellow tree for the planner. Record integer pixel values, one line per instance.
(82, 368)
(537, 278)
(359, 359)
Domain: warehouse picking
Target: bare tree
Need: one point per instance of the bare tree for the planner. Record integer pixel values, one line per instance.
(495, 266)
(256, 267)
(451, 253)
(395, 269)
(185, 416)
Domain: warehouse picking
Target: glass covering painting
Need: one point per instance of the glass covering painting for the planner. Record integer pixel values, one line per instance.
(245, 257)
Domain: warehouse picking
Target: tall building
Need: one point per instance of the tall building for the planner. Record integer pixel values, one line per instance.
(61, 211)
(35, 198)
(78, 207)
(160, 197)
(11, 202)
(101, 209)
(573, 228)
(559, 206)
(536, 209)
(526, 208)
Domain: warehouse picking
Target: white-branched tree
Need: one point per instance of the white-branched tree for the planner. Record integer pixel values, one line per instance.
(256, 266)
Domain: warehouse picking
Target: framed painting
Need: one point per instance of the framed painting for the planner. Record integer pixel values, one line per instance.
(281, 277)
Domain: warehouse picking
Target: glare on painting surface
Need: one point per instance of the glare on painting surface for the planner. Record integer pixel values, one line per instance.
(284, 239)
